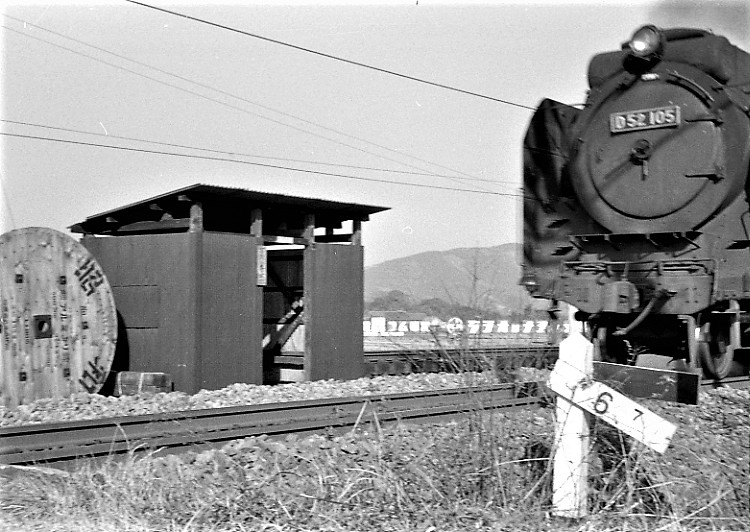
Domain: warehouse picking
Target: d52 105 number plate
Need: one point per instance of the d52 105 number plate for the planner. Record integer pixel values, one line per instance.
(667, 116)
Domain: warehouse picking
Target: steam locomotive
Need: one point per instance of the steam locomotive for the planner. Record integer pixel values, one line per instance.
(636, 205)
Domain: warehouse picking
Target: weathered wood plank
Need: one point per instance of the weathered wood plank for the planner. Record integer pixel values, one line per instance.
(231, 311)
(333, 277)
(163, 226)
(650, 383)
(613, 407)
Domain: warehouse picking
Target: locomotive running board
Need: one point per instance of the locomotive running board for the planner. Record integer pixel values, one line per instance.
(658, 240)
(650, 383)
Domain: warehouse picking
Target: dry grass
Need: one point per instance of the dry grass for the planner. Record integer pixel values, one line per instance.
(487, 472)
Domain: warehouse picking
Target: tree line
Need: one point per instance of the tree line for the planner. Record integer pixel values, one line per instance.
(396, 300)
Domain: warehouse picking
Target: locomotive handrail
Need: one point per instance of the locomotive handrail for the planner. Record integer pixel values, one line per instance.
(606, 266)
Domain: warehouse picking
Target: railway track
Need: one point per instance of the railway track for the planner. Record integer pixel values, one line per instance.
(541, 356)
(396, 362)
(69, 441)
(420, 359)
(741, 383)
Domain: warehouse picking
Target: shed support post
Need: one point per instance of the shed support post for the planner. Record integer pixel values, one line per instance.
(196, 218)
(309, 233)
(256, 222)
(357, 232)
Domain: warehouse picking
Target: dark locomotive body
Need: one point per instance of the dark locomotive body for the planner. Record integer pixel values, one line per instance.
(636, 206)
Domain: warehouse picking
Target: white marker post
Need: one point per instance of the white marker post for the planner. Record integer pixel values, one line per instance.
(572, 431)
(579, 397)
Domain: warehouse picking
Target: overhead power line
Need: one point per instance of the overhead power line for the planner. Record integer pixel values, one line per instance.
(467, 176)
(263, 165)
(240, 154)
(329, 56)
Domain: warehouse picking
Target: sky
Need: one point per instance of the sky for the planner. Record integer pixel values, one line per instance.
(109, 103)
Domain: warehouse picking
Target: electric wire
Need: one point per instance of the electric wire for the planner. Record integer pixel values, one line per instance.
(329, 56)
(225, 93)
(239, 154)
(263, 165)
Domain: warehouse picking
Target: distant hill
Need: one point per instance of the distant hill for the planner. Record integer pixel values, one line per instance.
(484, 278)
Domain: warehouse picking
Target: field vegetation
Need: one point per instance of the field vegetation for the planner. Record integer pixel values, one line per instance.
(396, 300)
(487, 471)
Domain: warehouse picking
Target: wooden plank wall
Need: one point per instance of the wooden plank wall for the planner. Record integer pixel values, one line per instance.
(154, 283)
(190, 306)
(334, 307)
(231, 311)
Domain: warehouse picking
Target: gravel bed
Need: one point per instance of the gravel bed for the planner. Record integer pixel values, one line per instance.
(86, 406)
(485, 472)
(707, 466)
(702, 478)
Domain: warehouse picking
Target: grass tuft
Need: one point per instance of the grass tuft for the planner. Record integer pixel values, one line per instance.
(489, 471)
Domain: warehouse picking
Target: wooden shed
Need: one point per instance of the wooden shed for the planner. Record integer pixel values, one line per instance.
(217, 285)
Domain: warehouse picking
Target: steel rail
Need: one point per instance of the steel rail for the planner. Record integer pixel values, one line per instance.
(417, 351)
(399, 362)
(739, 382)
(457, 351)
(420, 359)
(66, 441)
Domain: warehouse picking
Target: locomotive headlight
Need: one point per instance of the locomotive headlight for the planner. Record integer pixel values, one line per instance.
(646, 42)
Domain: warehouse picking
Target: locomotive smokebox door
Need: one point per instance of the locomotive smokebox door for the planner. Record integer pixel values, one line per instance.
(655, 145)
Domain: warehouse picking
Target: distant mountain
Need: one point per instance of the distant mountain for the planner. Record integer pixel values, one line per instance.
(483, 278)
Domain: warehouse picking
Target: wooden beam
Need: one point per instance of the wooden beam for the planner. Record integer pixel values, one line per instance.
(161, 226)
(256, 222)
(356, 232)
(274, 239)
(196, 218)
(309, 232)
(289, 324)
(650, 383)
(290, 359)
(334, 238)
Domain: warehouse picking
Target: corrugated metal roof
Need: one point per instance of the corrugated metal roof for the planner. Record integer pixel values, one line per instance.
(201, 192)
(218, 198)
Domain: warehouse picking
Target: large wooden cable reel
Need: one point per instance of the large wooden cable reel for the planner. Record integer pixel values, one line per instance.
(57, 315)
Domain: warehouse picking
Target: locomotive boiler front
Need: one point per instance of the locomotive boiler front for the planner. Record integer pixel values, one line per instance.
(634, 210)
(661, 146)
